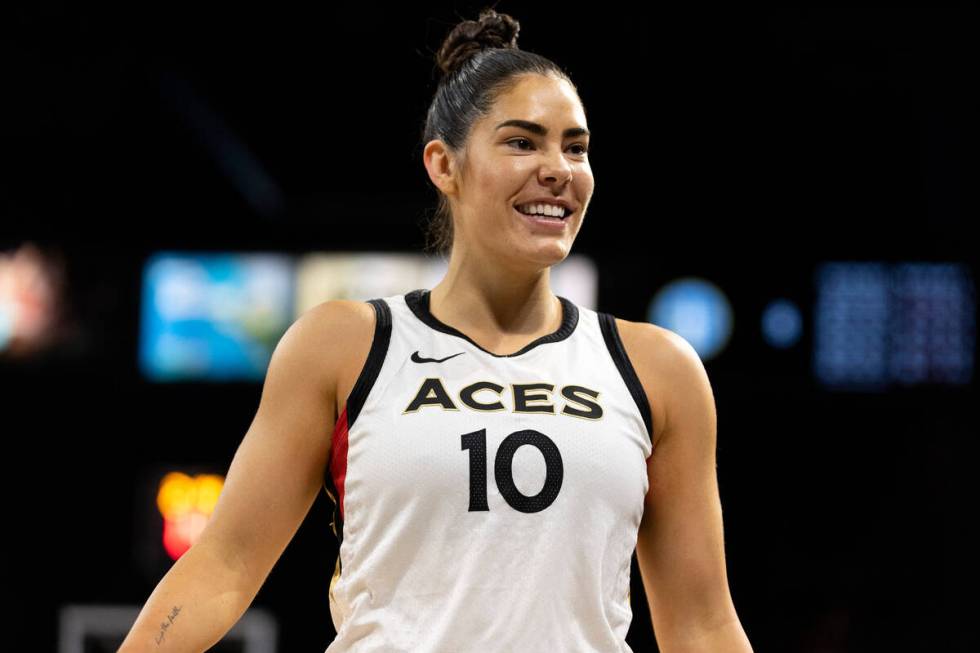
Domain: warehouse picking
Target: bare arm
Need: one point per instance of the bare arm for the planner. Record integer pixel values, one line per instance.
(271, 483)
(680, 544)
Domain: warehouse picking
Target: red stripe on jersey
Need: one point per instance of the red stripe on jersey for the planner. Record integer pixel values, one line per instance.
(338, 457)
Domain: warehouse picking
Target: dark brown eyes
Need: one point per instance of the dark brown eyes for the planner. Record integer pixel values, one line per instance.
(582, 149)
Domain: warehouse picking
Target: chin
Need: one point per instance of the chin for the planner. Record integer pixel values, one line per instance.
(545, 255)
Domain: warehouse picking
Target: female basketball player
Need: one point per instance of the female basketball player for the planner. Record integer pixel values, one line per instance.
(498, 452)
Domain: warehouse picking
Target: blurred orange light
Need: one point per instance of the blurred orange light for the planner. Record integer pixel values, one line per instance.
(186, 504)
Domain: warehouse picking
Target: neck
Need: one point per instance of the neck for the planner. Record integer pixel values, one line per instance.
(480, 298)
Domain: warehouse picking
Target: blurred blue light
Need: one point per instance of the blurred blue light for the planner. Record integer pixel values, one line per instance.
(782, 324)
(697, 310)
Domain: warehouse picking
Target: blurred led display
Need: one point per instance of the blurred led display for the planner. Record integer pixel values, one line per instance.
(213, 316)
(697, 310)
(878, 325)
(322, 276)
(32, 286)
(220, 316)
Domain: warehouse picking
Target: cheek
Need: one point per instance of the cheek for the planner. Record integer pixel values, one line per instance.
(502, 185)
(585, 185)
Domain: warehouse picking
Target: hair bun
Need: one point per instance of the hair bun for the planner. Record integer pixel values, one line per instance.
(491, 30)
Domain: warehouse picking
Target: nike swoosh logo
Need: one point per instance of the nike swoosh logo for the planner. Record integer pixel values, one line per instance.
(418, 359)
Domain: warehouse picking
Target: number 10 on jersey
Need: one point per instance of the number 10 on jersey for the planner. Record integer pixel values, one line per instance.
(503, 470)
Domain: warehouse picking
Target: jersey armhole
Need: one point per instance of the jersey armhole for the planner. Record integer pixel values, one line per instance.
(336, 473)
(610, 333)
(375, 359)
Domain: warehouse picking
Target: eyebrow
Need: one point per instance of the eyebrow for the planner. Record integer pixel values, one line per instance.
(541, 130)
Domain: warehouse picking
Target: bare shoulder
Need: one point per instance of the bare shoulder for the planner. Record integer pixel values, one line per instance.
(335, 338)
(339, 318)
(664, 362)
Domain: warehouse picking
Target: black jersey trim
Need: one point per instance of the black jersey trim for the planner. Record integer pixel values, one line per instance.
(418, 302)
(372, 367)
(362, 386)
(614, 344)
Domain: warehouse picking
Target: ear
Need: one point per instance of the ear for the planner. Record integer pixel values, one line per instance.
(441, 166)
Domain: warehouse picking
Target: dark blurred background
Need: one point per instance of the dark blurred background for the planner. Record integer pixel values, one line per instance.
(820, 155)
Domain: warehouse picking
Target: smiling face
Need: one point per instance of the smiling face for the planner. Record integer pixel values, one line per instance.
(532, 145)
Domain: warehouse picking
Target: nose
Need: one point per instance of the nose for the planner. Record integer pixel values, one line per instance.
(556, 168)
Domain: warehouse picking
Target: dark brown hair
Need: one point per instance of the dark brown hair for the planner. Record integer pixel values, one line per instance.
(479, 60)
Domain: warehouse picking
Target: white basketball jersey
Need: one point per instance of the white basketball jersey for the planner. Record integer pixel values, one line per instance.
(487, 503)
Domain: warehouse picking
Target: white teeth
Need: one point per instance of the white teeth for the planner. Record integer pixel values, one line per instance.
(545, 209)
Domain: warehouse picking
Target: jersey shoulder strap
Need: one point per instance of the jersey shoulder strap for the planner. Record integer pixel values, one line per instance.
(610, 333)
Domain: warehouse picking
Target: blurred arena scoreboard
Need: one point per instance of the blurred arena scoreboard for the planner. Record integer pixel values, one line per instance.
(873, 325)
(219, 316)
